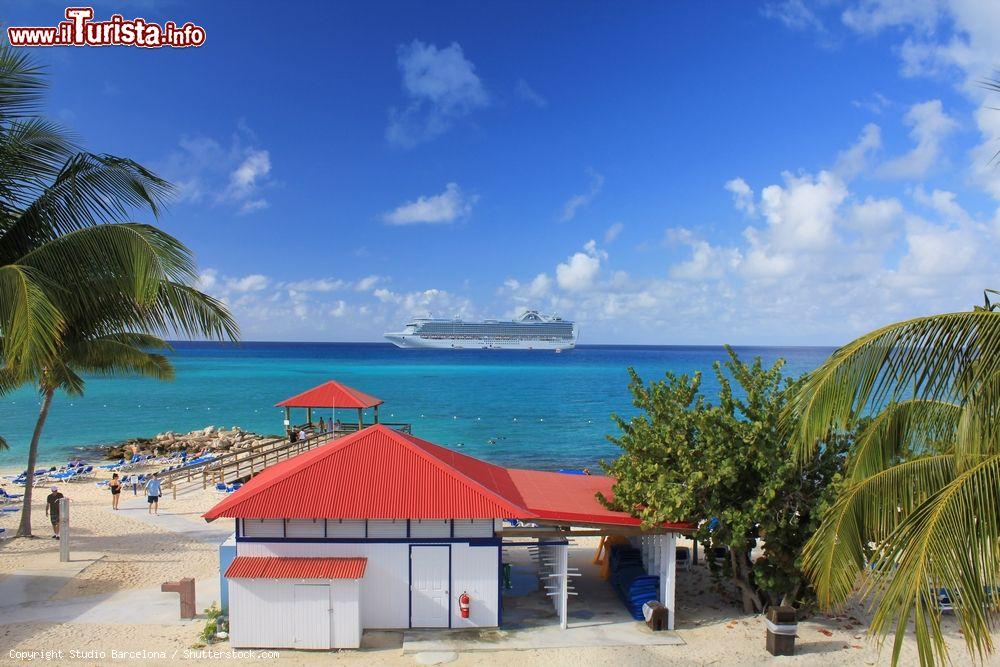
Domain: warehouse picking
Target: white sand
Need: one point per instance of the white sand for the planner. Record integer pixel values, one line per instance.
(138, 554)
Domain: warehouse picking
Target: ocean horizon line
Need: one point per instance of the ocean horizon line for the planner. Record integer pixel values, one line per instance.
(650, 346)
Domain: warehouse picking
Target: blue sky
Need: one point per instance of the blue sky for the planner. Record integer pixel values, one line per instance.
(773, 173)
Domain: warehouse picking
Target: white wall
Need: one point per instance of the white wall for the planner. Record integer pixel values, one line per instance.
(475, 571)
(430, 528)
(473, 527)
(385, 588)
(261, 613)
(263, 527)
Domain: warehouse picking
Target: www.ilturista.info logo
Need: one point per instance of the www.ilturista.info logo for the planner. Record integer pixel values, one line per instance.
(79, 29)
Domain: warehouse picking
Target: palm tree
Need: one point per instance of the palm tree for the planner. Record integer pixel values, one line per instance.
(919, 510)
(79, 282)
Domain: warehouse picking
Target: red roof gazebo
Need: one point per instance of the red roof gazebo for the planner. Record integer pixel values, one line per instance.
(331, 395)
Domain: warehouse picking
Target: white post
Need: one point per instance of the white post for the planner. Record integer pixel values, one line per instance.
(64, 530)
(563, 585)
(668, 575)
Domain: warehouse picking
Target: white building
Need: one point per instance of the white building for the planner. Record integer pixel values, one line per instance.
(384, 530)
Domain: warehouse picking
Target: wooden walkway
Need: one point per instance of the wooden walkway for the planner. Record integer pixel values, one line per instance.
(244, 463)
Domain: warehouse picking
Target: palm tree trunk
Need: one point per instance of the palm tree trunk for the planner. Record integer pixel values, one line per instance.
(24, 530)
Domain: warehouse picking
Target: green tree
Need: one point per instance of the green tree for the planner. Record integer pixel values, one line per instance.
(726, 467)
(920, 508)
(80, 282)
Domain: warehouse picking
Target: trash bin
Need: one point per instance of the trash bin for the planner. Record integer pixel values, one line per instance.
(782, 628)
(655, 615)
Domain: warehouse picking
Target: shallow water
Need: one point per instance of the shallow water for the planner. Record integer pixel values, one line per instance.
(521, 409)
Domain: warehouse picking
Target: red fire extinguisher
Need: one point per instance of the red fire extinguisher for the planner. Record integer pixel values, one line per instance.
(463, 604)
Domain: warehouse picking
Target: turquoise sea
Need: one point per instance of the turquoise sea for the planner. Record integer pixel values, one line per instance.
(520, 409)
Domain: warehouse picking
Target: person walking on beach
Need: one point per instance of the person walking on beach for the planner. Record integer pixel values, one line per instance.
(153, 494)
(322, 425)
(52, 510)
(302, 434)
(292, 435)
(116, 489)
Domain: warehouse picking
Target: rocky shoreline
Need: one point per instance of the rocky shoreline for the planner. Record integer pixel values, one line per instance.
(208, 439)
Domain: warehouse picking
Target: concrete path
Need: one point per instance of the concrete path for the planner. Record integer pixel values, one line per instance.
(194, 528)
(26, 596)
(41, 582)
(123, 607)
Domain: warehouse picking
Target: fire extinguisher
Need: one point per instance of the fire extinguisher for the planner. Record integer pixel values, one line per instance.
(463, 604)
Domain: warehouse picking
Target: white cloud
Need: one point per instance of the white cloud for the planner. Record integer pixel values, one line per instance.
(854, 160)
(579, 271)
(339, 308)
(930, 126)
(204, 171)
(368, 282)
(823, 264)
(255, 166)
(252, 283)
(707, 262)
(876, 104)
(316, 285)
(529, 94)
(801, 213)
(936, 250)
(873, 215)
(794, 14)
(441, 86)
(575, 202)
(449, 206)
(742, 196)
(871, 16)
(612, 232)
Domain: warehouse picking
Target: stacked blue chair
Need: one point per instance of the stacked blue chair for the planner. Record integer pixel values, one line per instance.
(630, 581)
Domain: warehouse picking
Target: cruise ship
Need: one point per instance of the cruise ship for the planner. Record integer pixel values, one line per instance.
(532, 331)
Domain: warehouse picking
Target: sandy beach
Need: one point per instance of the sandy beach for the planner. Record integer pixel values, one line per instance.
(96, 611)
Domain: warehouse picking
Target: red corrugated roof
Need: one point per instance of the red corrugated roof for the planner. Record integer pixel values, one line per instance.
(331, 394)
(376, 473)
(380, 473)
(267, 567)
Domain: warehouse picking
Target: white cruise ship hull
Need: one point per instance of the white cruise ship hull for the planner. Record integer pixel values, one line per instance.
(437, 343)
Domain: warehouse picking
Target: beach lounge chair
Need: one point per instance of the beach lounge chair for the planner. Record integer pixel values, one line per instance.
(10, 497)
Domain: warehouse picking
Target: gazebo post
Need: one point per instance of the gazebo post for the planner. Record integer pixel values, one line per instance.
(361, 423)
(309, 416)
(288, 419)
(376, 414)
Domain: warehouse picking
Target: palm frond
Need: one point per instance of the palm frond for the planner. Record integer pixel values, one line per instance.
(116, 356)
(183, 310)
(21, 84)
(32, 152)
(865, 515)
(903, 430)
(948, 542)
(129, 259)
(90, 189)
(937, 358)
(31, 323)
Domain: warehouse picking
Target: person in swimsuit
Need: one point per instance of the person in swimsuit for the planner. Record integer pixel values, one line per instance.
(116, 488)
(52, 510)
